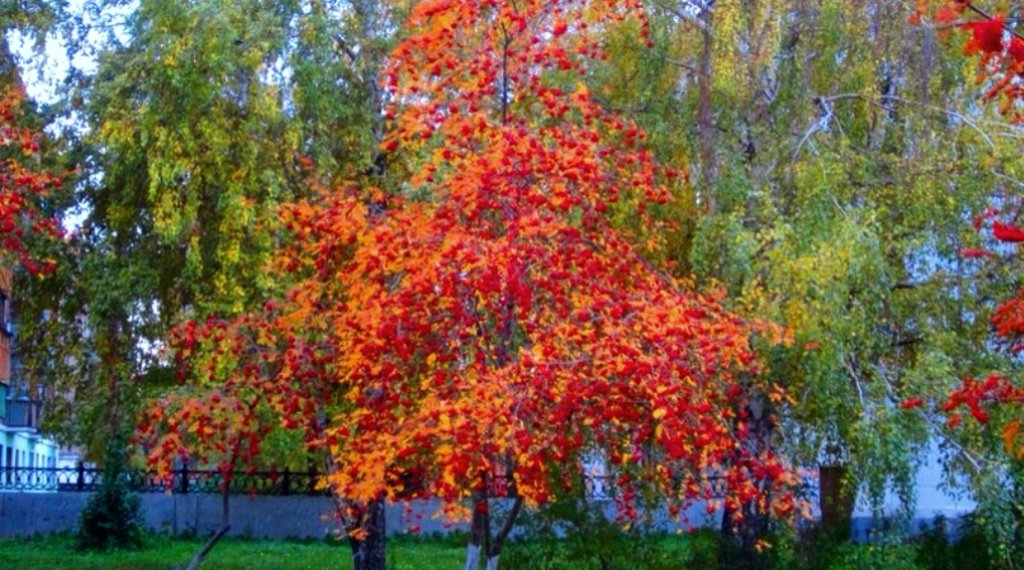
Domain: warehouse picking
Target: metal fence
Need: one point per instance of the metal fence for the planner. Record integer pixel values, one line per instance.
(183, 481)
(187, 480)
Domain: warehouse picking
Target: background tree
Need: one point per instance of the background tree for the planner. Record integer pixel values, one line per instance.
(990, 37)
(835, 199)
(200, 120)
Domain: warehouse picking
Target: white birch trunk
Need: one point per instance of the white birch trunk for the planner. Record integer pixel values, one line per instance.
(473, 557)
(492, 562)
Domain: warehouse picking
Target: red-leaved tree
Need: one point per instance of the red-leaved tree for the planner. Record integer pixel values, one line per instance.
(22, 183)
(485, 333)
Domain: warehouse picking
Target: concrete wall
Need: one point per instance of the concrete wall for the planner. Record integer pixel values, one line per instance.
(25, 514)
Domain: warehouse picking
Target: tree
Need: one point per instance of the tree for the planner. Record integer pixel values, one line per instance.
(991, 443)
(22, 185)
(847, 163)
(200, 120)
(483, 332)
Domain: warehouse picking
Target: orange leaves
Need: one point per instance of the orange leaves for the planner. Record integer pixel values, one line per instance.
(1008, 318)
(428, 9)
(1010, 432)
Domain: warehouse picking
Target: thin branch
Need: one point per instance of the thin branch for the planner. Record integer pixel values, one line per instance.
(956, 115)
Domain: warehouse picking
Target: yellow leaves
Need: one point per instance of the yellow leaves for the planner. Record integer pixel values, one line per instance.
(659, 413)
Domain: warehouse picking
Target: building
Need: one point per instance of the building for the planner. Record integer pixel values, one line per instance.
(22, 446)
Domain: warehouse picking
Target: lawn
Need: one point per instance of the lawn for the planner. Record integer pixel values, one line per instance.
(57, 553)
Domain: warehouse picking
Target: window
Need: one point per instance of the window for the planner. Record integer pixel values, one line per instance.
(5, 313)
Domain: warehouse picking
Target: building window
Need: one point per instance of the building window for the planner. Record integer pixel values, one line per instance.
(5, 313)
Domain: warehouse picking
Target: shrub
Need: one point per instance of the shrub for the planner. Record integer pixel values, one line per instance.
(970, 551)
(574, 534)
(113, 516)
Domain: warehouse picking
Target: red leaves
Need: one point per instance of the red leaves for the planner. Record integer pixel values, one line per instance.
(1007, 232)
(975, 253)
(976, 396)
(986, 35)
(1016, 50)
(911, 403)
(1001, 62)
(20, 187)
(980, 414)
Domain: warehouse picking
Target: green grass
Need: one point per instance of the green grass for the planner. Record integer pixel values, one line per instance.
(162, 553)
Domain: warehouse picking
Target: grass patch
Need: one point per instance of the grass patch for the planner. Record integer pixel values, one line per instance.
(163, 553)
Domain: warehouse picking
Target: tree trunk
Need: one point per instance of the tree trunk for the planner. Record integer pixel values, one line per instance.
(740, 538)
(480, 542)
(225, 526)
(705, 111)
(479, 530)
(472, 557)
(494, 553)
(368, 551)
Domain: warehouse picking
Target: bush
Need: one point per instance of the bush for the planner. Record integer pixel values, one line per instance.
(885, 555)
(113, 516)
(575, 534)
(971, 550)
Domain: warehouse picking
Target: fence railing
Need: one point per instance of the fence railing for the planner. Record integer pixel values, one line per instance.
(187, 480)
